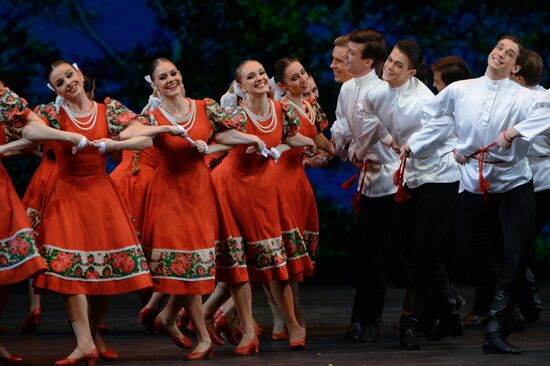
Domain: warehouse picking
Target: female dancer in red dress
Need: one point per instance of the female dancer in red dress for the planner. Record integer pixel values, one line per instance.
(19, 257)
(86, 236)
(33, 201)
(182, 221)
(266, 245)
(292, 78)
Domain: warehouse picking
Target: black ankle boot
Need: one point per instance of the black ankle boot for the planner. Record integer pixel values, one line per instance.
(499, 318)
(448, 325)
(531, 305)
(407, 337)
(515, 324)
(354, 331)
(370, 333)
(529, 301)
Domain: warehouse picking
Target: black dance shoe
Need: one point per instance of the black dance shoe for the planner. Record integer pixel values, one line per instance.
(354, 331)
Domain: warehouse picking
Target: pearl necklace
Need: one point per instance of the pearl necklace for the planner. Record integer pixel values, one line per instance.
(83, 125)
(309, 113)
(187, 122)
(256, 120)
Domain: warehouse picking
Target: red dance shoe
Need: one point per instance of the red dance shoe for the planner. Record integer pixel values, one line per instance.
(249, 349)
(11, 359)
(283, 336)
(161, 328)
(206, 355)
(222, 326)
(109, 355)
(217, 314)
(90, 359)
(32, 321)
(147, 318)
(215, 338)
(182, 319)
(297, 345)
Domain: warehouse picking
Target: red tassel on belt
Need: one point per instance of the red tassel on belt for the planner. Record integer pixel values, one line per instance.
(349, 183)
(484, 184)
(398, 179)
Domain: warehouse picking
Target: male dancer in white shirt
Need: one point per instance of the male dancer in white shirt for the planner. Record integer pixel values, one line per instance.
(341, 136)
(529, 76)
(432, 185)
(339, 130)
(366, 52)
(487, 115)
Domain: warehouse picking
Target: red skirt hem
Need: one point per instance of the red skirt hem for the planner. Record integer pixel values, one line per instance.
(232, 275)
(176, 287)
(299, 265)
(32, 267)
(268, 275)
(48, 283)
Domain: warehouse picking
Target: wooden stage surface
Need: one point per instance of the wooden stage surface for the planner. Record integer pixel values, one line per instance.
(327, 308)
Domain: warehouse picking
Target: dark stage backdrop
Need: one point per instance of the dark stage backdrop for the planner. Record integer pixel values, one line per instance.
(116, 40)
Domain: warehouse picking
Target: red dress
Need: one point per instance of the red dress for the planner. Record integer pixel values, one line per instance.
(86, 236)
(181, 221)
(33, 200)
(131, 177)
(294, 183)
(19, 256)
(265, 242)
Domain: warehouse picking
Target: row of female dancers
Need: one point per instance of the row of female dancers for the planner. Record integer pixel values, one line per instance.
(237, 224)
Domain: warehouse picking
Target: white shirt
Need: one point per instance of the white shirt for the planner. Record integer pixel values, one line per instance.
(539, 157)
(478, 110)
(340, 130)
(382, 161)
(399, 110)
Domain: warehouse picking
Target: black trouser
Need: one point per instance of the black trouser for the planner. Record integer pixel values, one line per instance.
(477, 248)
(506, 225)
(376, 228)
(428, 223)
(542, 203)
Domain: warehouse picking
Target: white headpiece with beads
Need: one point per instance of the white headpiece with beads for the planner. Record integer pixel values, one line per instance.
(238, 91)
(279, 93)
(154, 101)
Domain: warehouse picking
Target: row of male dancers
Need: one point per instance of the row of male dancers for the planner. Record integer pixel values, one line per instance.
(466, 166)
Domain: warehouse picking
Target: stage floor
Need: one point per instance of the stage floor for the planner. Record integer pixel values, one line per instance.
(327, 308)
